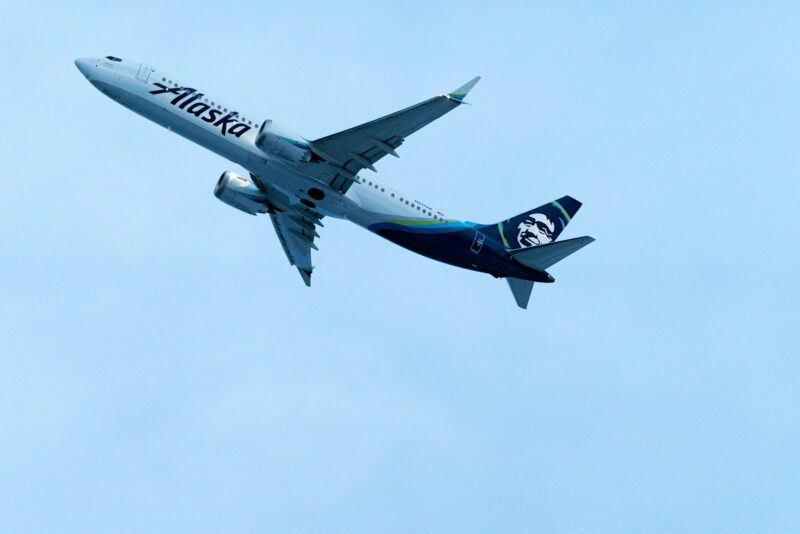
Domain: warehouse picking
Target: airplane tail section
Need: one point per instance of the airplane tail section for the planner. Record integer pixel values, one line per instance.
(538, 226)
(530, 239)
(540, 258)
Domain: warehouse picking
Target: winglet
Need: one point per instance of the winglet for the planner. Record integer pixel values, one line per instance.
(306, 274)
(459, 94)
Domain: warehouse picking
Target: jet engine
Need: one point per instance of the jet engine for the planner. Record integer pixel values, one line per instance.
(281, 144)
(241, 193)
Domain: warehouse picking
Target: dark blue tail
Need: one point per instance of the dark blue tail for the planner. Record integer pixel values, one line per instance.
(538, 226)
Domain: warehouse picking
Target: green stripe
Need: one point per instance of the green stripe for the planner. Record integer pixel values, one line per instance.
(418, 222)
(559, 206)
(500, 227)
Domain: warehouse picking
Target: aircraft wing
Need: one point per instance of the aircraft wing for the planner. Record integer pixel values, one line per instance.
(295, 226)
(347, 152)
(296, 235)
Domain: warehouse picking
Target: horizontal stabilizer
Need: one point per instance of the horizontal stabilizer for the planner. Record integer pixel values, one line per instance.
(543, 256)
(521, 289)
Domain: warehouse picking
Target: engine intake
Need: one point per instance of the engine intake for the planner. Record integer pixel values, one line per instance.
(241, 193)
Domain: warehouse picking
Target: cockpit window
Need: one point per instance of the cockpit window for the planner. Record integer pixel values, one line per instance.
(112, 58)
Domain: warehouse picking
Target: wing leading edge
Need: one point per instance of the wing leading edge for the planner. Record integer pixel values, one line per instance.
(348, 152)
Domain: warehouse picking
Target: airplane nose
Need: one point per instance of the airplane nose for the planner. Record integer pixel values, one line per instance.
(85, 66)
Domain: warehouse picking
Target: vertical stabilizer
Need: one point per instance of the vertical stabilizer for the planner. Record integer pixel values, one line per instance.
(538, 226)
(521, 289)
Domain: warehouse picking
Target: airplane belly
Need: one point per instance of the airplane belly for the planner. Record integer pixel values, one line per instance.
(458, 247)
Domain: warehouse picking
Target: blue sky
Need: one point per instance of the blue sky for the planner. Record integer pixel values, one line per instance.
(165, 369)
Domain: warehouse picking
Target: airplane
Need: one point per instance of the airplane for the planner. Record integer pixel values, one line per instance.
(298, 181)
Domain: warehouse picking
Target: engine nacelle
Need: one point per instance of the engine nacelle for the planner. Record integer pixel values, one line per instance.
(281, 144)
(241, 193)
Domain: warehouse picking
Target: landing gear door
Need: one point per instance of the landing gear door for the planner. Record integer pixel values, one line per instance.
(144, 72)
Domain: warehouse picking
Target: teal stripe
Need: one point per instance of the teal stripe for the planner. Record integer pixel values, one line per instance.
(295, 142)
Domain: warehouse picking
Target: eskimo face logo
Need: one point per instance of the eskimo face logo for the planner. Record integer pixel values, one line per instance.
(227, 124)
(535, 229)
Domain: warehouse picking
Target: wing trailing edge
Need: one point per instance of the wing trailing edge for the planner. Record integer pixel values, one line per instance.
(339, 157)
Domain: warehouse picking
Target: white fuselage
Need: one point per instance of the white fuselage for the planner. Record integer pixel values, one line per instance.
(197, 117)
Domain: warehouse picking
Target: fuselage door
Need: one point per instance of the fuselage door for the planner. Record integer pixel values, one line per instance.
(144, 72)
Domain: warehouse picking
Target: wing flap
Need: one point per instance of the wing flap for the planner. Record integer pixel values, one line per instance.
(296, 241)
(295, 226)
